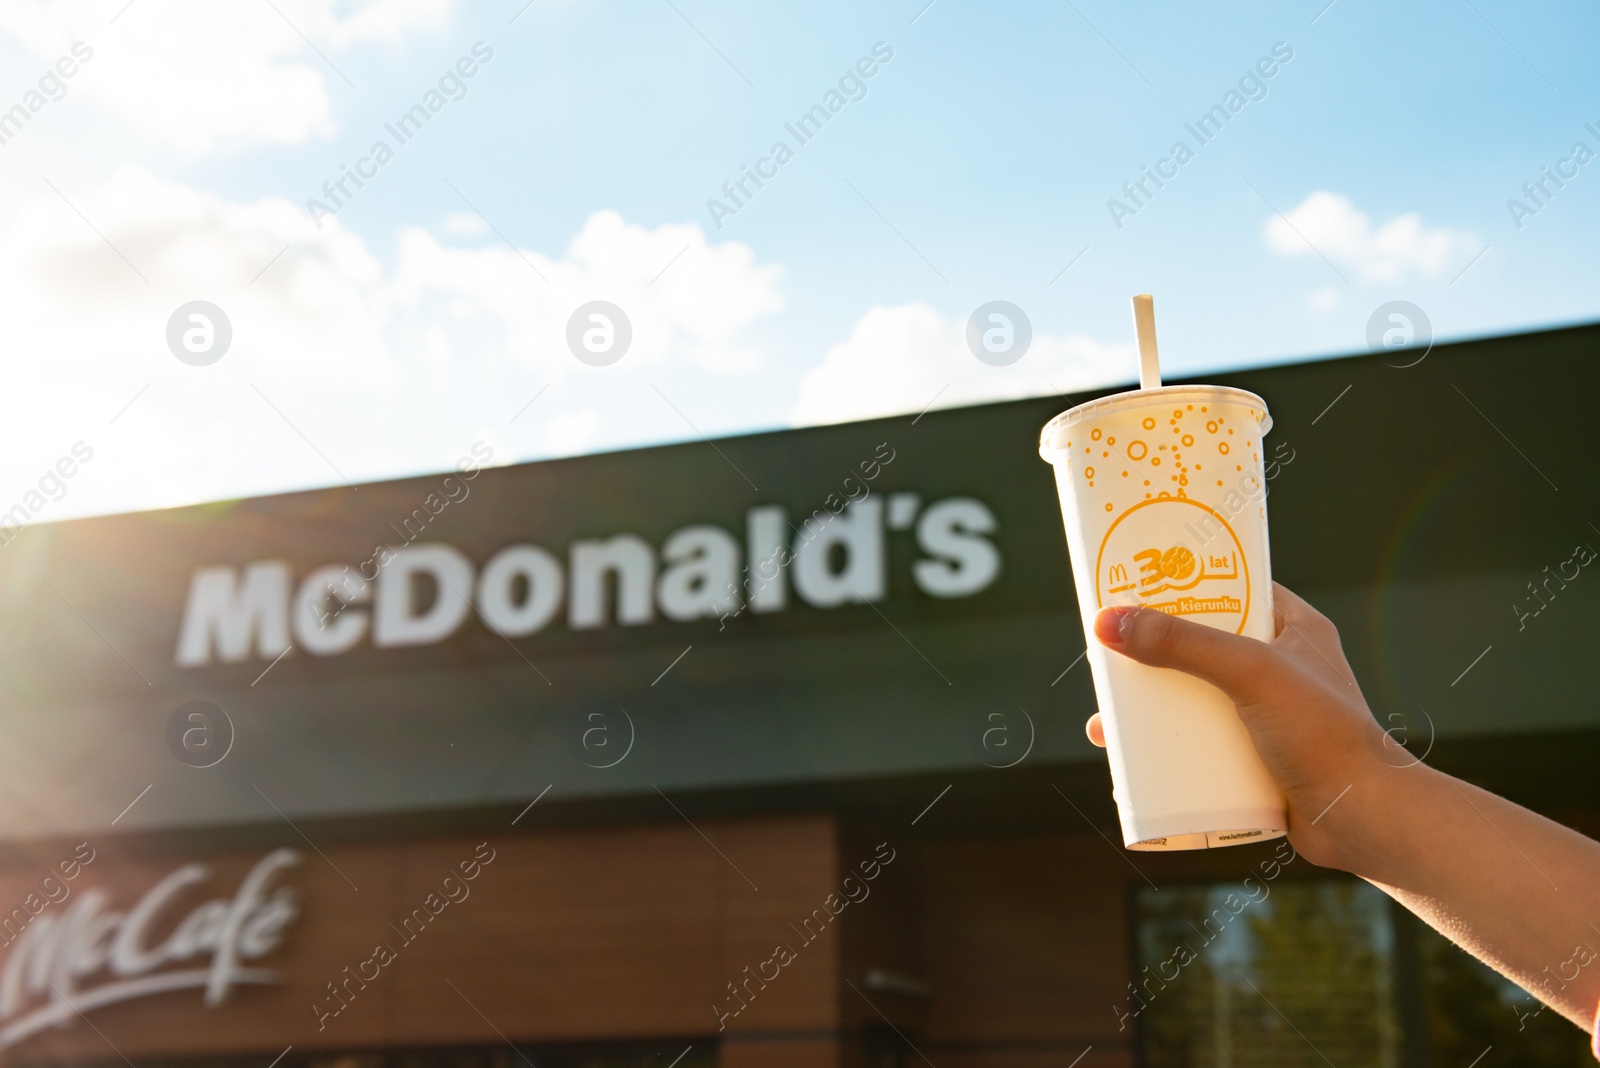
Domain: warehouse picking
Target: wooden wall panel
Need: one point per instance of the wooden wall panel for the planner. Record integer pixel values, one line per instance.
(564, 936)
(1026, 942)
(793, 866)
(790, 1053)
(1099, 1055)
(567, 935)
(257, 1018)
(882, 932)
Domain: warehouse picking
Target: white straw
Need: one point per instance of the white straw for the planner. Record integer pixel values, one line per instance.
(1144, 325)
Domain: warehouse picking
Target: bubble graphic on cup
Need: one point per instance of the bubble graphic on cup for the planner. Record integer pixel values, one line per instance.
(199, 333)
(999, 333)
(1400, 325)
(599, 333)
(200, 734)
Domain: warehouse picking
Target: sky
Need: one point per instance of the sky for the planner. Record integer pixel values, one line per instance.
(957, 154)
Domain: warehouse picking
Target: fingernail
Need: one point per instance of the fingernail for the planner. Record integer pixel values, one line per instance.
(1114, 625)
(1126, 621)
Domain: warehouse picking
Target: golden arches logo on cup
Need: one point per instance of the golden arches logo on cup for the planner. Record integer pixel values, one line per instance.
(1140, 564)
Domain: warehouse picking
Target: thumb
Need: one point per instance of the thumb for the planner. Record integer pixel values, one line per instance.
(1238, 666)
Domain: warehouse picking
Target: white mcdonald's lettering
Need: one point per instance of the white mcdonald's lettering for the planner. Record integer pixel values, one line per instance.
(836, 557)
(56, 954)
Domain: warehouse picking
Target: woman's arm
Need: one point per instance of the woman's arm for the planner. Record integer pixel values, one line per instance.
(1518, 891)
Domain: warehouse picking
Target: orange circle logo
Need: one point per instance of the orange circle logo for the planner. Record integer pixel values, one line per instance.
(1177, 563)
(1177, 556)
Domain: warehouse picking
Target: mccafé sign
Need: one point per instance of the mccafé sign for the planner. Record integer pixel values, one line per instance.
(91, 955)
(421, 592)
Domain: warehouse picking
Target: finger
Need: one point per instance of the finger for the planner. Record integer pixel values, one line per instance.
(1295, 610)
(1305, 627)
(1096, 730)
(1241, 667)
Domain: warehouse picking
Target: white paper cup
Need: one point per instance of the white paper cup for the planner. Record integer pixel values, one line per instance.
(1164, 497)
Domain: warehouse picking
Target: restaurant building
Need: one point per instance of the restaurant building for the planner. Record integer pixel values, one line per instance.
(760, 752)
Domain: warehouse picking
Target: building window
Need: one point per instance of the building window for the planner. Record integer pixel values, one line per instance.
(1474, 1013)
(1281, 974)
(1318, 971)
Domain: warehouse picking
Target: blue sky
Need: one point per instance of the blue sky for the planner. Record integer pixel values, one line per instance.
(977, 166)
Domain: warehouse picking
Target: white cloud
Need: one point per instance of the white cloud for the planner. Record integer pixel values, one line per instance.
(1324, 299)
(382, 21)
(464, 224)
(342, 365)
(570, 433)
(1338, 230)
(317, 309)
(681, 294)
(197, 74)
(87, 334)
(898, 359)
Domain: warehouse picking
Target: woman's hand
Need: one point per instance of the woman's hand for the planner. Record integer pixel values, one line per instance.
(1295, 694)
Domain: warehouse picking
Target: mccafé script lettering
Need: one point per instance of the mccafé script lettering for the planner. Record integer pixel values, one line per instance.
(421, 593)
(92, 955)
